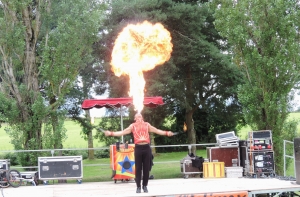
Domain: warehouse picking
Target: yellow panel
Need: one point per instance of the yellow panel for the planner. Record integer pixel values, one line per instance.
(213, 170)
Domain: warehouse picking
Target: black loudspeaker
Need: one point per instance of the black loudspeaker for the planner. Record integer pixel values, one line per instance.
(118, 146)
(243, 152)
(297, 158)
(243, 156)
(243, 143)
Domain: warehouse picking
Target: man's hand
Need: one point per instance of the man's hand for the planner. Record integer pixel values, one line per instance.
(107, 133)
(170, 133)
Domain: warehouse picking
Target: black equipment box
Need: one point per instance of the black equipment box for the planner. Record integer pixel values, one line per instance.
(61, 167)
(260, 153)
(262, 162)
(261, 144)
(260, 134)
(230, 156)
(4, 164)
(191, 166)
(260, 140)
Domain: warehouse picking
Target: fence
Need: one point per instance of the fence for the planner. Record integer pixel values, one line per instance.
(285, 155)
(53, 151)
(286, 143)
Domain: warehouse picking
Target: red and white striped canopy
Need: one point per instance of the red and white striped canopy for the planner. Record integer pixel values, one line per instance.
(119, 102)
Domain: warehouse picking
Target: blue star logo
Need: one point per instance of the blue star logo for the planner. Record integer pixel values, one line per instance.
(126, 165)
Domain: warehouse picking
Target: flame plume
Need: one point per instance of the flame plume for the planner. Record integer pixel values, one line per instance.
(140, 48)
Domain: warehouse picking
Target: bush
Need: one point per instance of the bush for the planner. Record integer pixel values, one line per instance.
(12, 157)
(101, 154)
(83, 153)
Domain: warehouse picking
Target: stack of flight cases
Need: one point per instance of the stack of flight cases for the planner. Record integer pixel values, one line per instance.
(260, 154)
(228, 139)
(227, 150)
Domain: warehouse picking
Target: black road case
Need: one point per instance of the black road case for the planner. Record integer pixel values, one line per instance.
(60, 168)
(262, 163)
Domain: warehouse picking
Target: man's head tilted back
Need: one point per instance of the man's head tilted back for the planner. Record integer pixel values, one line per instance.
(138, 117)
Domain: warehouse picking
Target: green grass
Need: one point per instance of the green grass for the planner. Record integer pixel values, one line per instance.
(96, 170)
(74, 137)
(5, 140)
(243, 133)
(166, 165)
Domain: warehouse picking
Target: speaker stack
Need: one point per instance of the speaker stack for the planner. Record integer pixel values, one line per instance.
(257, 155)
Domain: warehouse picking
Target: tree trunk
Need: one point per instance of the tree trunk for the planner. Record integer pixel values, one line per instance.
(91, 145)
(56, 129)
(189, 109)
(90, 137)
(190, 130)
(152, 144)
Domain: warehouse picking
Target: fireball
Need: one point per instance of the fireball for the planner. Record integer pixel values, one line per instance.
(140, 47)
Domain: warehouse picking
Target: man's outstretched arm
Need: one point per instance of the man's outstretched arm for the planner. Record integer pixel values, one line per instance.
(119, 133)
(160, 132)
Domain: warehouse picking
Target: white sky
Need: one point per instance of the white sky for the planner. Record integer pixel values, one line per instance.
(94, 112)
(296, 101)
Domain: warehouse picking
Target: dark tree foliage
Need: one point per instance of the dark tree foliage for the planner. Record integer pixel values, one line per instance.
(198, 83)
(265, 46)
(43, 45)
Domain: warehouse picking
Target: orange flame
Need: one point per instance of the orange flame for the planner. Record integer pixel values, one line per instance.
(140, 48)
(184, 127)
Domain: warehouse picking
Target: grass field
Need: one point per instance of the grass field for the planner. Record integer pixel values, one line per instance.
(166, 165)
(243, 132)
(74, 137)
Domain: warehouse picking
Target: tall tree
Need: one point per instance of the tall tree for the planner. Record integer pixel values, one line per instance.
(88, 85)
(43, 45)
(199, 76)
(265, 39)
(205, 81)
